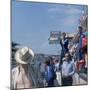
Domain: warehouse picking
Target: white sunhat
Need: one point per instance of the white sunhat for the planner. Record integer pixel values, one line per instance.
(24, 55)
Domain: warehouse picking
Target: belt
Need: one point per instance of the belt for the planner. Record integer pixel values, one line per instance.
(66, 76)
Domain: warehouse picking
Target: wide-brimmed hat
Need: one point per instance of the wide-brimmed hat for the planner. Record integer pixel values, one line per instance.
(24, 55)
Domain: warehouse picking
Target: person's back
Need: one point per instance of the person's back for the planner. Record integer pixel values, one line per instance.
(22, 74)
(49, 74)
(21, 79)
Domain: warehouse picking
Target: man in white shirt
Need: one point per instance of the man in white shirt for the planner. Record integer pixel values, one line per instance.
(68, 70)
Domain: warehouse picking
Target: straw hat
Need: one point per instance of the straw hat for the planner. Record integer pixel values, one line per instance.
(24, 55)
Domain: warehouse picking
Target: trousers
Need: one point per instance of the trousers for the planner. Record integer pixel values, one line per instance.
(67, 81)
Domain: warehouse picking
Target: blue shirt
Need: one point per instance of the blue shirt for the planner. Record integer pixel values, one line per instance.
(49, 73)
(64, 45)
(68, 68)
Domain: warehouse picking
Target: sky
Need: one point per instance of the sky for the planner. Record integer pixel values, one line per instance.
(32, 23)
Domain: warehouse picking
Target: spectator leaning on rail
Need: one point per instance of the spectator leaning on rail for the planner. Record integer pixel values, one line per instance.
(21, 75)
(68, 70)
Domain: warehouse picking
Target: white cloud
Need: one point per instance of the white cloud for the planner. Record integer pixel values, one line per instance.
(65, 16)
(53, 10)
(65, 10)
(69, 20)
(67, 23)
(73, 11)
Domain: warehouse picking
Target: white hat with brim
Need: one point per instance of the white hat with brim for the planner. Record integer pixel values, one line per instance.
(24, 55)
